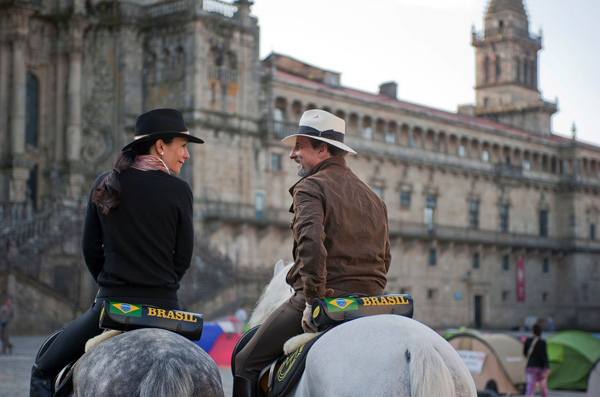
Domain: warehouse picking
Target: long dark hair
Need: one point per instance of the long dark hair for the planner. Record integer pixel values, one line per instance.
(107, 195)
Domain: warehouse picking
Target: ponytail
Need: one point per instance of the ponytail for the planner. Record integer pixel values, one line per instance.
(107, 195)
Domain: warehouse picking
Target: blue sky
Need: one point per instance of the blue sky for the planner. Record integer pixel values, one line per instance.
(424, 45)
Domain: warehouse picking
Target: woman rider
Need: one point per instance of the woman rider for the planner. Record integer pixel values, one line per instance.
(138, 234)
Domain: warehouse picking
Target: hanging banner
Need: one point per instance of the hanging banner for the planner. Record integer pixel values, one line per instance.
(521, 278)
(473, 360)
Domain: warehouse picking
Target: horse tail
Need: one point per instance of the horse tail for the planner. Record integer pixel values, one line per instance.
(429, 375)
(167, 377)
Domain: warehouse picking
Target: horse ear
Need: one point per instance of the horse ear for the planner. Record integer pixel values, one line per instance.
(278, 267)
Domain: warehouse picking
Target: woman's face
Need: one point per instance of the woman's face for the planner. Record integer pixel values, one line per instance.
(175, 154)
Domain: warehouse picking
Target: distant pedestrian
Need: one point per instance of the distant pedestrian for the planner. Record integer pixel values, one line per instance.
(241, 315)
(550, 322)
(7, 315)
(537, 369)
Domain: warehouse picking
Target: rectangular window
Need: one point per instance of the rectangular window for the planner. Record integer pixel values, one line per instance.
(259, 204)
(505, 263)
(592, 232)
(432, 294)
(505, 295)
(476, 261)
(405, 290)
(378, 190)
(504, 218)
(405, 199)
(546, 266)
(430, 201)
(275, 162)
(390, 137)
(474, 214)
(428, 217)
(544, 223)
(544, 297)
(432, 257)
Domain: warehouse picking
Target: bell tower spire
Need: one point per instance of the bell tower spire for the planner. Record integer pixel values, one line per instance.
(506, 57)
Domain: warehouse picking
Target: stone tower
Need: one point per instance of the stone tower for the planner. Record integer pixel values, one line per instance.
(506, 59)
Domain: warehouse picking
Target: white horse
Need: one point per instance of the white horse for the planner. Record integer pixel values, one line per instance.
(383, 355)
(147, 363)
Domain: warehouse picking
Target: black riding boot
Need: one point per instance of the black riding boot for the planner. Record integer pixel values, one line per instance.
(41, 385)
(243, 387)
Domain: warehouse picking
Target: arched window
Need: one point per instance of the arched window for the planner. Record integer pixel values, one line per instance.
(233, 63)
(486, 69)
(518, 70)
(526, 71)
(32, 106)
(498, 68)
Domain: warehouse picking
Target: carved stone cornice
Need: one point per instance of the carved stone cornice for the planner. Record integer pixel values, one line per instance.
(16, 23)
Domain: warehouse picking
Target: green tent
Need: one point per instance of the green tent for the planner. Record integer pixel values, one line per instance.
(571, 354)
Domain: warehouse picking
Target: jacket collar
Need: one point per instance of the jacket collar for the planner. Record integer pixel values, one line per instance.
(332, 161)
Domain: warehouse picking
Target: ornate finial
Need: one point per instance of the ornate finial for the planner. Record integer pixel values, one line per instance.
(574, 130)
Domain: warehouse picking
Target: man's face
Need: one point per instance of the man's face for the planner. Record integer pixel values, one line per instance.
(305, 156)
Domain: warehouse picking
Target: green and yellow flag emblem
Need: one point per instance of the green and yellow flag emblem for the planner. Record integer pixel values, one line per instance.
(341, 304)
(125, 309)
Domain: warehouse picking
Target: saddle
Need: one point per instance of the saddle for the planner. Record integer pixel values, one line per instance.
(127, 317)
(280, 377)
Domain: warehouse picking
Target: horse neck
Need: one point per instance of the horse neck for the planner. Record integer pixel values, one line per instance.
(274, 294)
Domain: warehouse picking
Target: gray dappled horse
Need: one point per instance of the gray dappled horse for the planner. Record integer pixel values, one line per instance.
(383, 355)
(147, 363)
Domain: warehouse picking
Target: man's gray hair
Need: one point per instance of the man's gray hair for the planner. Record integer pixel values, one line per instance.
(333, 150)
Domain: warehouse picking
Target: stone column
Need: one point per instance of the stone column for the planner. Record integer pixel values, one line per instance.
(411, 138)
(74, 107)
(446, 142)
(468, 153)
(73, 124)
(18, 166)
(521, 158)
(359, 125)
(17, 100)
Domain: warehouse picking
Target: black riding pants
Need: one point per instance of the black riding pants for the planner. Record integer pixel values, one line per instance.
(267, 344)
(70, 344)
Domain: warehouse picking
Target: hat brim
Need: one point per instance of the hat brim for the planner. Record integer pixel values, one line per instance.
(291, 141)
(162, 135)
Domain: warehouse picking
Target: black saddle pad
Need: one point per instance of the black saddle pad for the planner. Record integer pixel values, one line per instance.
(286, 371)
(127, 317)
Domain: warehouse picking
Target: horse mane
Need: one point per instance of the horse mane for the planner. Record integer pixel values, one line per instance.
(274, 294)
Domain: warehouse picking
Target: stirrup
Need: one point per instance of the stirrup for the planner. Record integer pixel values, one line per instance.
(243, 387)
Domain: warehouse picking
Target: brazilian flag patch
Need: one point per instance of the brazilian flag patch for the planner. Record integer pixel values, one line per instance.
(125, 309)
(341, 304)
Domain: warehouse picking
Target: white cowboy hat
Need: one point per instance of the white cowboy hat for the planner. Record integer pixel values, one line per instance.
(321, 125)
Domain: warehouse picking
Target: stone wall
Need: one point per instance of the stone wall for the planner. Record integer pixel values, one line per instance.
(38, 310)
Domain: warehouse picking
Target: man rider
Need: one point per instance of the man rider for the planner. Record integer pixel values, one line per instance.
(341, 241)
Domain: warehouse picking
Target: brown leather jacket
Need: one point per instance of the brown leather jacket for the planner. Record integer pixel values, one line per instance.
(340, 230)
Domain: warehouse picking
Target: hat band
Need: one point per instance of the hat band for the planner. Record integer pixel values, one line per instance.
(329, 134)
(135, 138)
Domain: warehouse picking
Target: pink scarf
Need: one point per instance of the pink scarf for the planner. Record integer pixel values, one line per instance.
(148, 162)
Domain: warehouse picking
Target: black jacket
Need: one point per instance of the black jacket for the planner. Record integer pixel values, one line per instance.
(539, 356)
(144, 247)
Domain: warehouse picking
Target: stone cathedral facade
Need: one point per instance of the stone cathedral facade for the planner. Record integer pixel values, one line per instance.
(492, 216)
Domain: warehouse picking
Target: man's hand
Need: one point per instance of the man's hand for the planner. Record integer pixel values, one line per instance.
(307, 320)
